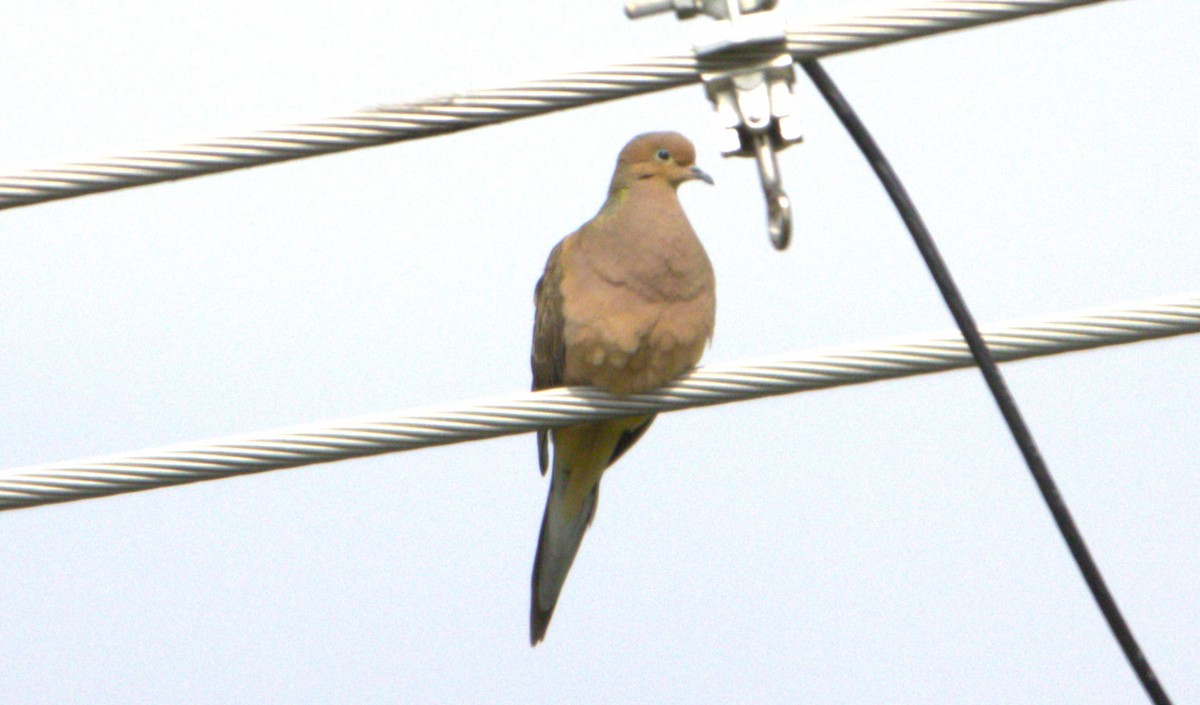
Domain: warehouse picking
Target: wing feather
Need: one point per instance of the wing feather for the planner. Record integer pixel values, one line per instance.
(549, 351)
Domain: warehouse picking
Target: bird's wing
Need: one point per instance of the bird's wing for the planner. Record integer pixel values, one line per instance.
(549, 351)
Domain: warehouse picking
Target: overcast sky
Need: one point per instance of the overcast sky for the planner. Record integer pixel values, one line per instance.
(881, 543)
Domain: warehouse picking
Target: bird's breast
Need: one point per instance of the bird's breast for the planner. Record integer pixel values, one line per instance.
(638, 309)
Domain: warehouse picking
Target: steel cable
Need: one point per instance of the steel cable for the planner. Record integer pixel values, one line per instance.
(394, 123)
(716, 384)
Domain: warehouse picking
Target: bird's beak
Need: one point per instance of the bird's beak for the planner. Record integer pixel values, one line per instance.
(698, 173)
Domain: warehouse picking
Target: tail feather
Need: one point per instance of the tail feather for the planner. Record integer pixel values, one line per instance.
(581, 453)
(558, 543)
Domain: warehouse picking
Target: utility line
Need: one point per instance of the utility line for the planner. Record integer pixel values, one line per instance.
(522, 413)
(435, 116)
(995, 381)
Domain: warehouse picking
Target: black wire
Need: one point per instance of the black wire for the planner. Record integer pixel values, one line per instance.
(1008, 407)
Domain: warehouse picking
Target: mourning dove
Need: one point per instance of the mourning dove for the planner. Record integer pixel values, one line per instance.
(627, 303)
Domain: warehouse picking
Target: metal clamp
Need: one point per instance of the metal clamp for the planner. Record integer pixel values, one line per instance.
(755, 105)
(686, 9)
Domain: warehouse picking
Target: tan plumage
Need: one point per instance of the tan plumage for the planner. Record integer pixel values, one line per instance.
(626, 303)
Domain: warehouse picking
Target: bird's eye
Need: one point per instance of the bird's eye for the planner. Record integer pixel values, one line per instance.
(663, 155)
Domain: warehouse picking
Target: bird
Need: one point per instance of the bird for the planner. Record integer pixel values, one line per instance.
(626, 303)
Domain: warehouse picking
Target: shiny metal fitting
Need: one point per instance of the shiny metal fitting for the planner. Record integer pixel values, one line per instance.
(757, 112)
(685, 9)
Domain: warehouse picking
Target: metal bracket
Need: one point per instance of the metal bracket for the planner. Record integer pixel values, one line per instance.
(687, 9)
(755, 105)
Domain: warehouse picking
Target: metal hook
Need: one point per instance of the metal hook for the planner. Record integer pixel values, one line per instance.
(779, 206)
(758, 112)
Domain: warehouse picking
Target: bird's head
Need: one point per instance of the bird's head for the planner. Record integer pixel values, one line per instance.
(667, 156)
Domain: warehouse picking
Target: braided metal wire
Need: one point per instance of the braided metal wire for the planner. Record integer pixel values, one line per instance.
(717, 384)
(395, 123)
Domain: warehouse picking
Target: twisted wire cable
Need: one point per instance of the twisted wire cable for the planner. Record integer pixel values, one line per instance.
(434, 116)
(487, 418)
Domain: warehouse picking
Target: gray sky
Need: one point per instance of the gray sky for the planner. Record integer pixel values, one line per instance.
(881, 543)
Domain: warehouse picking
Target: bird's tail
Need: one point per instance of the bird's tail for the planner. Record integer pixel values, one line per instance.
(562, 532)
